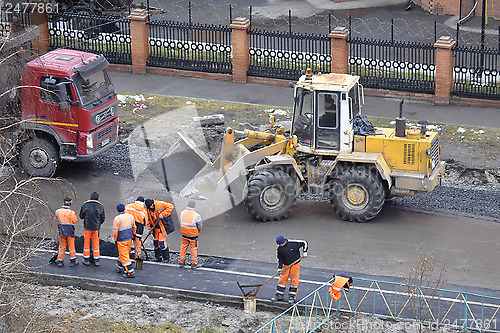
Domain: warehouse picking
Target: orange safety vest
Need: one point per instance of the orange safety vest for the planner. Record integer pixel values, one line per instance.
(66, 219)
(138, 211)
(188, 223)
(123, 227)
(339, 283)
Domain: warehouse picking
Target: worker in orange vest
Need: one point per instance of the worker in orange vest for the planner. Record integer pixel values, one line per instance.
(138, 210)
(159, 218)
(66, 220)
(289, 252)
(191, 225)
(123, 233)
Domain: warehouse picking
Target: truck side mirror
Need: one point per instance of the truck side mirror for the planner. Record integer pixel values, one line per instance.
(63, 96)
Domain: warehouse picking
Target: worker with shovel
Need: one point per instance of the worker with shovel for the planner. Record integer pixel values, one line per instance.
(138, 210)
(160, 220)
(289, 254)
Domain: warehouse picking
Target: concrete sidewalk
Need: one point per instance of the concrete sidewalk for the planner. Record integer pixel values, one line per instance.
(283, 97)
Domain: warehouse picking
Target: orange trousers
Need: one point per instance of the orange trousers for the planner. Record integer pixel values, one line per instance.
(93, 236)
(293, 273)
(68, 241)
(185, 243)
(124, 254)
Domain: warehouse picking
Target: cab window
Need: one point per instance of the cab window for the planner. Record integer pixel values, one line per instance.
(49, 90)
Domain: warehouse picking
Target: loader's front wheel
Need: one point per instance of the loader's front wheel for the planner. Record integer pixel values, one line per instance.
(357, 194)
(271, 194)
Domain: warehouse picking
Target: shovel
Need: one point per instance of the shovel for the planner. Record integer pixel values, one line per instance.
(255, 287)
(139, 262)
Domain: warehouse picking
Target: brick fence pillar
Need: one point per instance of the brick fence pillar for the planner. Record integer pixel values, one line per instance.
(444, 69)
(40, 44)
(139, 36)
(240, 41)
(339, 50)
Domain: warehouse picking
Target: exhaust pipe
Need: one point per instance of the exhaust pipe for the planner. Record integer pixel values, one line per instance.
(401, 122)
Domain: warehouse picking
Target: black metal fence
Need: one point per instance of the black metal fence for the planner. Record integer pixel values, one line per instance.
(283, 55)
(476, 72)
(396, 65)
(205, 48)
(107, 35)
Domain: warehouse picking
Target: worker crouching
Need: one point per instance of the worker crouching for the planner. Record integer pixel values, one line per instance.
(191, 225)
(123, 233)
(160, 219)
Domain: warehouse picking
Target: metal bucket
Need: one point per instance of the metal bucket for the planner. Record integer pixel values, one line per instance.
(250, 303)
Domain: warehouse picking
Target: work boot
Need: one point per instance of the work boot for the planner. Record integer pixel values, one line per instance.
(73, 263)
(96, 263)
(181, 265)
(119, 269)
(130, 275)
(194, 266)
(291, 301)
(166, 254)
(60, 264)
(158, 255)
(277, 298)
(86, 262)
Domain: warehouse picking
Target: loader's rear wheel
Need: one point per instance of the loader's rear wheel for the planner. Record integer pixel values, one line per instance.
(358, 194)
(271, 195)
(39, 158)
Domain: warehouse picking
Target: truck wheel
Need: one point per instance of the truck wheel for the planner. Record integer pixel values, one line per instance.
(271, 195)
(357, 195)
(39, 158)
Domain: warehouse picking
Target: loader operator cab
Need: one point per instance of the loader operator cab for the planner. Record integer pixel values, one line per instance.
(324, 110)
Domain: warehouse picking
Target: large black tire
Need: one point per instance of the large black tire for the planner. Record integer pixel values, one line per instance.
(40, 158)
(357, 194)
(271, 195)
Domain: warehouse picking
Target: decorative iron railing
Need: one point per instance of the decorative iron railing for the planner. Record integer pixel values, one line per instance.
(283, 55)
(107, 35)
(476, 72)
(410, 305)
(205, 48)
(394, 65)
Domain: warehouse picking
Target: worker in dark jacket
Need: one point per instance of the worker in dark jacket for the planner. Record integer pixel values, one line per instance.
(289, 253)
(92, 214)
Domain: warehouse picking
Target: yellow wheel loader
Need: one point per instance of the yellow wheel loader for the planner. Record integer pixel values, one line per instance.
(331, 150)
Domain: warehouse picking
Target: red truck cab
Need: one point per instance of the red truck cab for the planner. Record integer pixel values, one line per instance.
(69, 109)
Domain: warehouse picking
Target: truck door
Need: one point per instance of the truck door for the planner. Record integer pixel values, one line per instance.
(57, 108)
(328, 128)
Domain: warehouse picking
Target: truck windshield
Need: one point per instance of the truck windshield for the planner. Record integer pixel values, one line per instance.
(95, 89)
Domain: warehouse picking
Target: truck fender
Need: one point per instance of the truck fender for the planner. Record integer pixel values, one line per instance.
(41, 128)
(273, 160)
(376, 159)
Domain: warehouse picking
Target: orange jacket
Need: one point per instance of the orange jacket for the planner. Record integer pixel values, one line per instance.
(138, 211)
(123, 227)
(190, 223)
(162, 210)
(66, 220)
(338, 284)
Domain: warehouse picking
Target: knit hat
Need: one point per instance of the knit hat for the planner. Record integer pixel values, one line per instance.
(67, 201)
(149, 202)
(120, 207)
(141, 199)
(280, 240)
(94, 196)
(191, 204)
